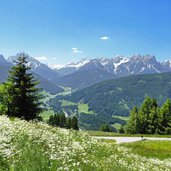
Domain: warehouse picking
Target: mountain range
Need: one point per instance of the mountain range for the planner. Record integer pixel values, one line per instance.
(75, 74)
(87, 72)
(39, 71)
(119, 65)
(106, 88)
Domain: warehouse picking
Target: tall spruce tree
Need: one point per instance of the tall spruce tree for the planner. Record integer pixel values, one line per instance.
(62, 123)
(74, 123)
(68, 123)
(165, 117)
(144, 112)
(146, 120)
(23, 96)
(132, 126)
(153, 118)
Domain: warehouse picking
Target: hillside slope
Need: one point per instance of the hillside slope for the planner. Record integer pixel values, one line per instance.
(82, 79)
(116, 97)
(119, 95)
(44, 83)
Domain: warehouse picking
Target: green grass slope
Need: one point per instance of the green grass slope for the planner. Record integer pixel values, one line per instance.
(156, 149)
(29, 146)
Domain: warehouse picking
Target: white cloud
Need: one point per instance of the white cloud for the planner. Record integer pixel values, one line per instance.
(41, 58)
(104, 38)
(76, 50)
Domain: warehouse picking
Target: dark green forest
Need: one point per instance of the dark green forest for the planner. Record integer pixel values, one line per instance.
(115, 97)
(150, 118)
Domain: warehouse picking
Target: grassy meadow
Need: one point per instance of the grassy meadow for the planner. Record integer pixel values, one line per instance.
(35, 146)
(156, 149)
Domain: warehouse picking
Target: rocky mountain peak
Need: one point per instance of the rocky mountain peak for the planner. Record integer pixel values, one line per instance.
(2, 59)
(149, 59)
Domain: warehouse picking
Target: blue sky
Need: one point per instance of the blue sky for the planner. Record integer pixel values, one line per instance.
(62, 31)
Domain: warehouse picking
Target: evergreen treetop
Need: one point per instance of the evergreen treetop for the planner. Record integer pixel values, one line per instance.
(150, 118)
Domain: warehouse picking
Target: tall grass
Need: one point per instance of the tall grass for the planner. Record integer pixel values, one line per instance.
(28, 146)
(155, 149)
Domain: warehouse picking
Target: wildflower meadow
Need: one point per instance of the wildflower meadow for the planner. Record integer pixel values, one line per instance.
(36, 146)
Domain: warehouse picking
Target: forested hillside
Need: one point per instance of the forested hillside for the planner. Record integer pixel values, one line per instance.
(116, 97)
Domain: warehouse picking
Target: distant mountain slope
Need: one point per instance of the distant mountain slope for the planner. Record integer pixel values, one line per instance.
(47, 85)
(81, 79)
(38, 67)
(4, 72)
(120, 65)
(70, 68)
(4, 68)
(116, 97)
(72, 74)
(44, 83)
(87, 72)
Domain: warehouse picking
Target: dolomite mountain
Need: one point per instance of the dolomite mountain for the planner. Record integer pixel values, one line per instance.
(87, 72)
(120, 66)
(90, 71)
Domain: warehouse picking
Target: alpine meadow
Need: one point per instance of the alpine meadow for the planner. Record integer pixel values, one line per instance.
(85, 85)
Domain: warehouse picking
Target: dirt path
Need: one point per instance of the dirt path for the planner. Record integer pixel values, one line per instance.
(132, 139)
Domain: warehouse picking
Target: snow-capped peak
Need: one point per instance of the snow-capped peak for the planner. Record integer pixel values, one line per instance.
(55, 66)
(79, 64)
(119, 60)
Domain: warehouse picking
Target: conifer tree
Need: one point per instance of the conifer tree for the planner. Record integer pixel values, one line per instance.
(122, 129)
(57, 119)
(54, 120)
(165, 116)
(68, 123)
(62, 122)
(133, 123)
(24, 97)
(105, 128)
(74, 123)
(153, 118)
(144, 112)
(51, 120)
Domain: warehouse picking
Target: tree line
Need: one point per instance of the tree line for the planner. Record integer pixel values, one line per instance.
(150, 118)
(60, 120)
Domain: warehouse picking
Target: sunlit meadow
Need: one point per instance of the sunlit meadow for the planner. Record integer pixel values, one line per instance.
(31, 146)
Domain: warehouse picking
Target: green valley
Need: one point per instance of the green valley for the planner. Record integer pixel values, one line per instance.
(111, 101)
